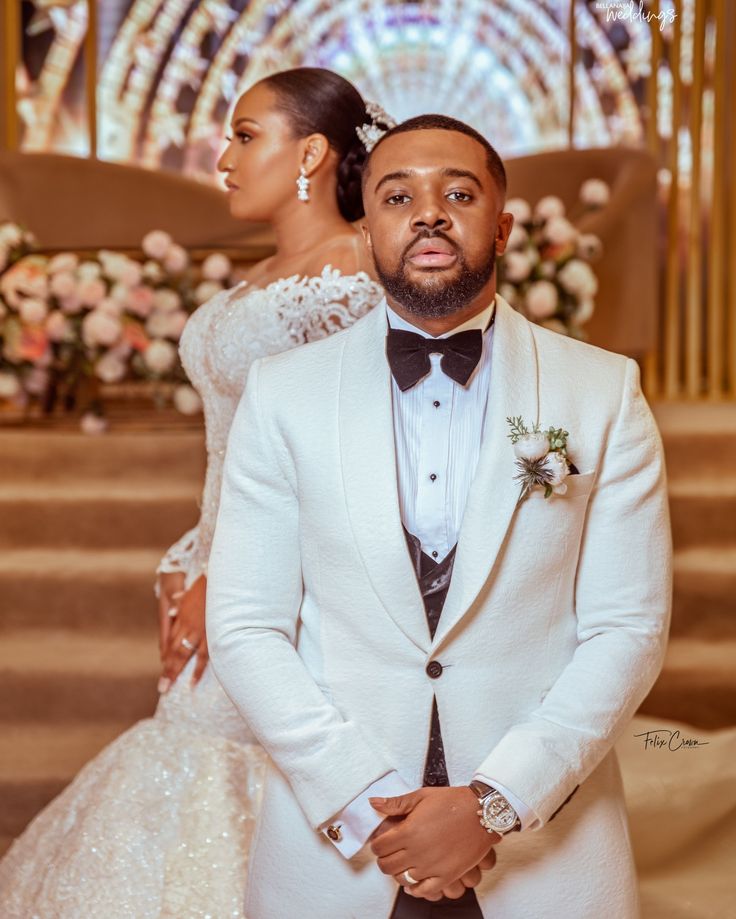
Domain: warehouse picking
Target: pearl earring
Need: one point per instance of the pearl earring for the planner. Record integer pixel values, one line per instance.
(302, 185)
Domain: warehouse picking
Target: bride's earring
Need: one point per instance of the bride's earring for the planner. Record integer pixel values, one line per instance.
(302, 185)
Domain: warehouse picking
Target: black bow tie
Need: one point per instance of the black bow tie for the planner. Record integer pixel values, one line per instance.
(408, 355)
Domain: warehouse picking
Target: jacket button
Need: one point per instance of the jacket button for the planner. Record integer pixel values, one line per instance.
(434, 669)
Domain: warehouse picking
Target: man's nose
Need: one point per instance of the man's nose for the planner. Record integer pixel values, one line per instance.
(430, 214)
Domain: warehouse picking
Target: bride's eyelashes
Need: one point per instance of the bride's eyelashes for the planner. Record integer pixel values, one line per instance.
(242, 136)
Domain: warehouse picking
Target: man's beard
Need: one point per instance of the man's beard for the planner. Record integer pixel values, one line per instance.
(443, 298)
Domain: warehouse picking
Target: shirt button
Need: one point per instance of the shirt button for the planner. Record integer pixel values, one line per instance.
(433, 476)
(435, 553)
(434, 669)
(436, 404)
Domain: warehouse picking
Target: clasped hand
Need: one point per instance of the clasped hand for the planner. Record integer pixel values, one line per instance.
(435, 834)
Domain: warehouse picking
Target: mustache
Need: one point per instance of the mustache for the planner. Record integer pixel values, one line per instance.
(429, 234)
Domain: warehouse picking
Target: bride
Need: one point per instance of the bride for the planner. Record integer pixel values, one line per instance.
(158, 825)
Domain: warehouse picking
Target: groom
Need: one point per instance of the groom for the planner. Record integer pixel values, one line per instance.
(434, 666)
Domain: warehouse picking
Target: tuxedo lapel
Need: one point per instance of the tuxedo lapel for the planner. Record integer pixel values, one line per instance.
(368, 458)
(493, 495)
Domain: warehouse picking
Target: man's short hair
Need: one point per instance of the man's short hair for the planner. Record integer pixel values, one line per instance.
(445, 123)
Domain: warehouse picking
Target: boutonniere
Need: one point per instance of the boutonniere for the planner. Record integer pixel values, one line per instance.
(541, 458)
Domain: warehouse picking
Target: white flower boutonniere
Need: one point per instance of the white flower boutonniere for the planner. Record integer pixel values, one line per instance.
(541, 457)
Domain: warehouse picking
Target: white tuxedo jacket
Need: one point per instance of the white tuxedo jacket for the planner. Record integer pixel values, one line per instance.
(552, 633)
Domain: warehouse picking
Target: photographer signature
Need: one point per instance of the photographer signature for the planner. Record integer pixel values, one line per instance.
(671, 740)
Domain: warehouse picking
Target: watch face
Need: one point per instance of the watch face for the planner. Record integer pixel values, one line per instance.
(498, 814)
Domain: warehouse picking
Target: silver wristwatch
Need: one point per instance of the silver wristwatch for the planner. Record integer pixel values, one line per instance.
(496, 814)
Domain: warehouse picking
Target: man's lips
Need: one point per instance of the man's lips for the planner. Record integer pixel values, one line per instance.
(432, 253)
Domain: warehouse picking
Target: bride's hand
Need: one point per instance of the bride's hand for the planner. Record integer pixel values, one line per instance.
(170, 591)
(186, 637)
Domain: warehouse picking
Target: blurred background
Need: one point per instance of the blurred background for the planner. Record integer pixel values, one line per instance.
(112, 116)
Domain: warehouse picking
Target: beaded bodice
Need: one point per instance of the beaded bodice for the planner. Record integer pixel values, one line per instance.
(221, 341)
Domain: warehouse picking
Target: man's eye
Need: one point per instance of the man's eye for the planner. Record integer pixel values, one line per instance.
(459, 196)
(397, 199)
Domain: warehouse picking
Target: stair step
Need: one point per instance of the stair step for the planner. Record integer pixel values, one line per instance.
(98, 514)
(37, 761)
(70, 677)
(60, 456)
(699, 439)
(87, 590)
(703, 510)
(697, 684)
(704, 601)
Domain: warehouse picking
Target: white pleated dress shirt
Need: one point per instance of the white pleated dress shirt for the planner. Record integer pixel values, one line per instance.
(438, 429)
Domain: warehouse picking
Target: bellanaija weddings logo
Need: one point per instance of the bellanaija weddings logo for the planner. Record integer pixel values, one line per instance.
(628, 11)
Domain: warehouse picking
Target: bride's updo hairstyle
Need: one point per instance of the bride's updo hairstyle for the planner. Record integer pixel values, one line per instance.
(318, 101)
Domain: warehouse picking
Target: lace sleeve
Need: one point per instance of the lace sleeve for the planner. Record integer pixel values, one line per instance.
(178, 558)
(329, 303)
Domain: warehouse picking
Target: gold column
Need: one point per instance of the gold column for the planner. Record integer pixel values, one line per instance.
(10, 52)
(694, 299)
(572, 37)
(672, 338)
(90, 71)
(651, 359)
(716, 263)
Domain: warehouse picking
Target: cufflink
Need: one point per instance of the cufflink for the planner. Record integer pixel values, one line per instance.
(333, 832)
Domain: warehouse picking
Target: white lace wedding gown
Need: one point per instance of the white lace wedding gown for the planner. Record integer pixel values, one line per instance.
(158, 825)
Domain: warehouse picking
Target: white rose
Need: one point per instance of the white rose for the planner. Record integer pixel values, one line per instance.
(585, 310)
(216, 267)
(62, 284)
(187, 401)
(64, 261)
(206, 290)
(9, 386)
(58, 327)
(516, 266)
(556, 465)
(32, 311)
(160, 356)
(156, 244)
(518, 238)
(91, 291)
(110, 368)
(166, 300)
(520, 209)
(548, 207)
(93, 424)
(131, 273)
(100, 328)
(88, 271)
(589, 246)
(508, 292)
(560, 231)
(532, 446)
(176, 259)
(595, 193)
(11, 235)
(152, 272)
(541, 299)
(578, 278)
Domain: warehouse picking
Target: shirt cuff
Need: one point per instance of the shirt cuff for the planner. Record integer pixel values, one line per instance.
(527, 817)
(351, 828)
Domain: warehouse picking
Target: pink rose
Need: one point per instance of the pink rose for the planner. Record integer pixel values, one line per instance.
(216, 267)
(62, 284)
(91, 291)
(176, 259)
(33, 312)
(156, 244)
(65, 261)
(99, 328)
(140, 301)
(58, 327)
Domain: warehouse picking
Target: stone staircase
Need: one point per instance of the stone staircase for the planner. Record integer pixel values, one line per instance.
(83, 523)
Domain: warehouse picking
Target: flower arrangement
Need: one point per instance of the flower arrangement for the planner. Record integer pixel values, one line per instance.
(545, 271)
(541, 457)
(69, 325)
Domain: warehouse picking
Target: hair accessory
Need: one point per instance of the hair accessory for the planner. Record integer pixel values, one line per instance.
(302, 185)
(370, 134)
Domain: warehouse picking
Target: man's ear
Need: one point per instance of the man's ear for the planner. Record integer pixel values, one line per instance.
(503, 231)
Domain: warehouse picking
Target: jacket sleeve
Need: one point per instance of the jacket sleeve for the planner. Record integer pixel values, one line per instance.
(623, 600)
(254, 594)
